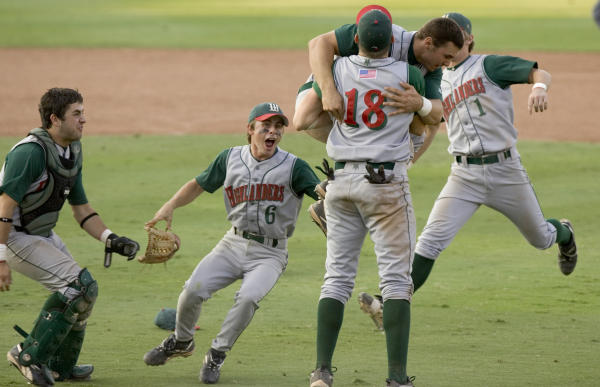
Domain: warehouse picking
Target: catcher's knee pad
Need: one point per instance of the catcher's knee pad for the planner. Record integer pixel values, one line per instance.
(85, 296)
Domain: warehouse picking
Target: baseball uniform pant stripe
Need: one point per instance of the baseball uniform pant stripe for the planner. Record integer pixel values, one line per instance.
(45, 260)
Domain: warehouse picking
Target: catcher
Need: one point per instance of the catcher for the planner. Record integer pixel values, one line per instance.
(263, 187)
(41, 172)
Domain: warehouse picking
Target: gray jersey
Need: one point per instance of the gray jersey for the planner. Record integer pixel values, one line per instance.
(258, 195)
(368, 133)
(478, 113)
(401, 44)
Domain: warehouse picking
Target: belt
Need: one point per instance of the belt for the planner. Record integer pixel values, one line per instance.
(386, 165)
(486, 159)
(255, 237)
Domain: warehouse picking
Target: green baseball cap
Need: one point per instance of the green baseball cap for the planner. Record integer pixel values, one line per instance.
(375, 30)
(265, 110)
(461, 20)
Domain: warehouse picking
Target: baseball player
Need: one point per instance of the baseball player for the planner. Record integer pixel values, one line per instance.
(487, 170)
(433, 46)
(369, 193)
(263, 187)
(40, 173)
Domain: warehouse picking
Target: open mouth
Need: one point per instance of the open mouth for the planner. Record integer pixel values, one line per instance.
(270, 143)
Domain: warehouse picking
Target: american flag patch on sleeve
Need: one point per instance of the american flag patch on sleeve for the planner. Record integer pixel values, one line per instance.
(367, 74)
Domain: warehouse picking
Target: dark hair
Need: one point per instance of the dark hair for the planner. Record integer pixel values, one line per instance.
(55, 101)
(442, 30)
(252, 126)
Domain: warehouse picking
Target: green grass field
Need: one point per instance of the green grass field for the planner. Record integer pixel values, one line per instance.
(495, 311)
(553, 25)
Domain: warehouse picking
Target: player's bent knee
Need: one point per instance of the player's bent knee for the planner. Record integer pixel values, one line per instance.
(251, 300)
(84, 294)
(196, 294)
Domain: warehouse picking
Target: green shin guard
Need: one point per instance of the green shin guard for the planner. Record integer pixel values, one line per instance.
(65, 358)
(50, 329)
(54, 325)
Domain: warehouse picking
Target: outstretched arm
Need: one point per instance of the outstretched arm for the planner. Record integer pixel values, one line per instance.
(186, 194)
(538, 98)
(89, 220)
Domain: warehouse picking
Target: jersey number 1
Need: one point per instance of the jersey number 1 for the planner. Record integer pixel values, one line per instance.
(373, 100)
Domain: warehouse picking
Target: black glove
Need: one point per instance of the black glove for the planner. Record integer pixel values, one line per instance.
(327, 170)
(379, 176)
(120, 245)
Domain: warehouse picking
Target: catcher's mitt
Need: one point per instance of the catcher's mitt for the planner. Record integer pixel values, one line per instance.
(162, 245)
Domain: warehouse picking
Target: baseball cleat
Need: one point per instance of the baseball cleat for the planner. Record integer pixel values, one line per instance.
(321, 377)
(373, 307)
(78, 373)
(38, 375)
(393, 383)
(317, 213)
(169, 349)
(211, 366)
(567, 253)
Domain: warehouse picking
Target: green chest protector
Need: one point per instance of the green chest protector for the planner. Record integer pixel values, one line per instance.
(39, 210)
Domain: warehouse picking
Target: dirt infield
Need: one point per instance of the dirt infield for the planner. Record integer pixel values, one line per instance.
(211, 91)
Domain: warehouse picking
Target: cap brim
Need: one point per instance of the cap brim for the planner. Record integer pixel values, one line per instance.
(269, 115)
(370, 8)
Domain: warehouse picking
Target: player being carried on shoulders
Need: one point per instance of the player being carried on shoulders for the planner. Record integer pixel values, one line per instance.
(368, 192)
(431, 47)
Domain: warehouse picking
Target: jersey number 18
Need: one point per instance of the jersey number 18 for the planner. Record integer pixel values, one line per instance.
(373, 100)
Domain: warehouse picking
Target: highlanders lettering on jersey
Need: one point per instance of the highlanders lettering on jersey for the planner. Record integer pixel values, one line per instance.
(254, 192)
(469, 88)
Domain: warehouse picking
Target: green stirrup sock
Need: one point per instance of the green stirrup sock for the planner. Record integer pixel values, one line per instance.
(563, 234)
(396, 322)
(329, 321)
(421, 268)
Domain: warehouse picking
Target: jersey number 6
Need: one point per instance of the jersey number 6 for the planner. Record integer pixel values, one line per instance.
(373, 100)
(270, 214)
